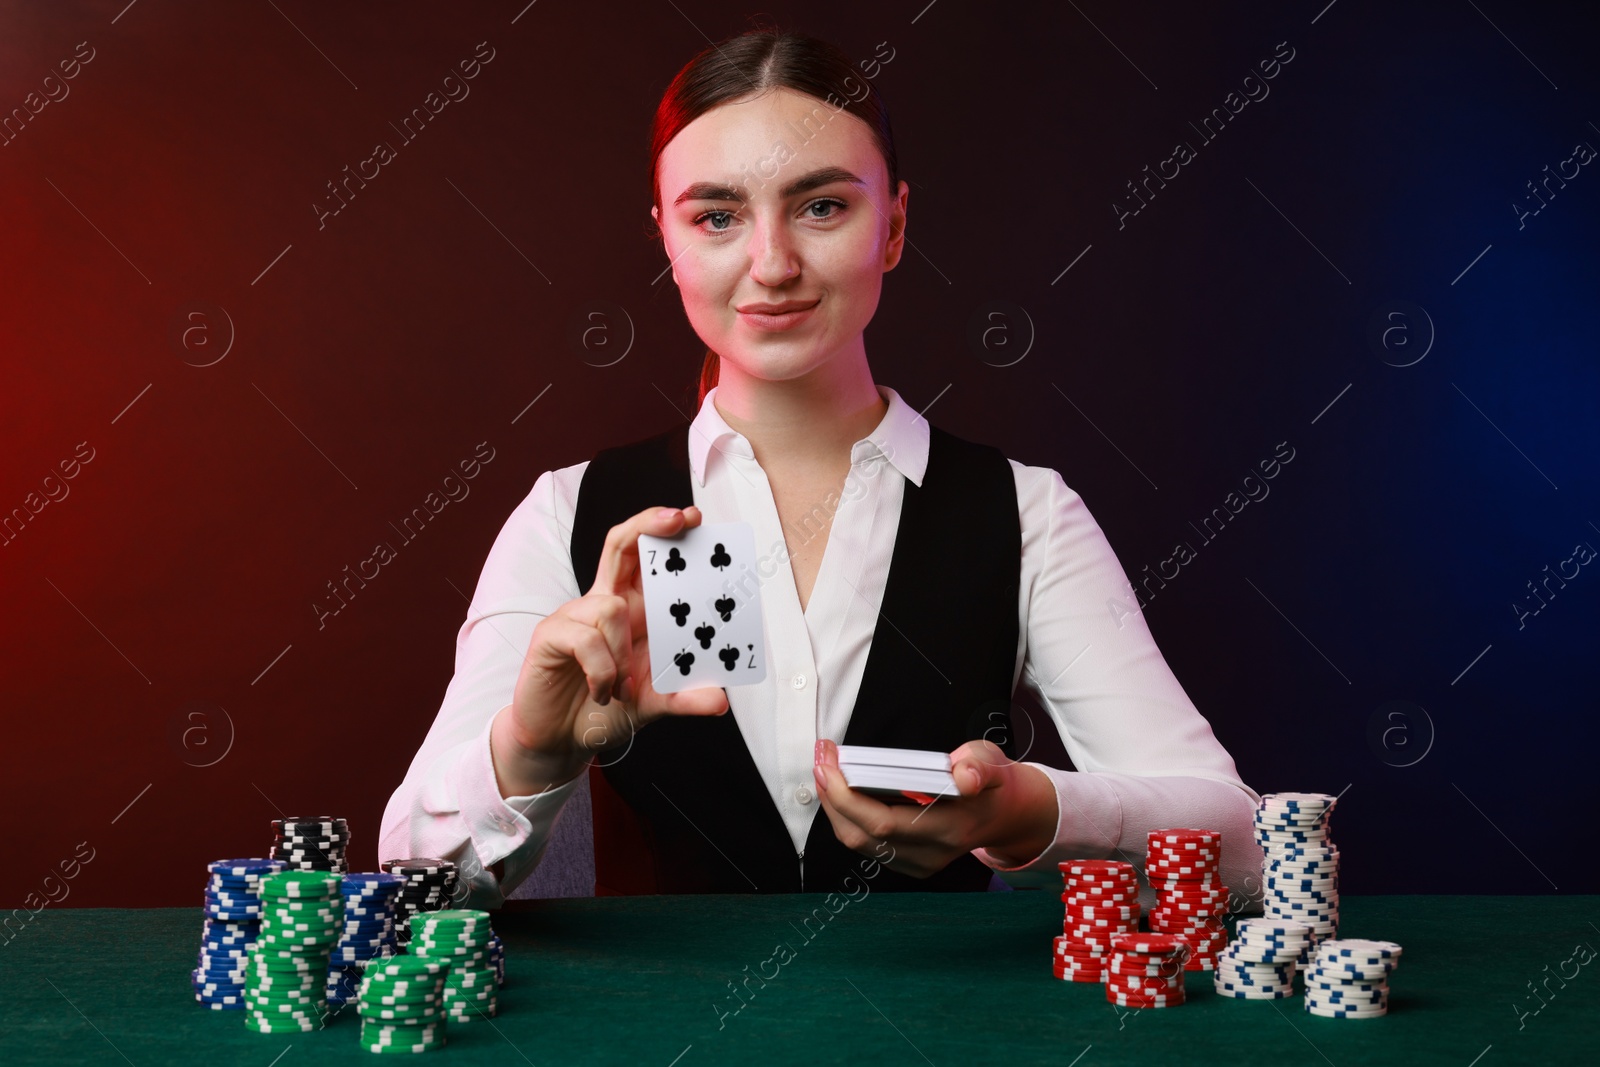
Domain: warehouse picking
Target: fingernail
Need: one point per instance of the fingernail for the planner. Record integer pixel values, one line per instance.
(822, 780)
(816, 756)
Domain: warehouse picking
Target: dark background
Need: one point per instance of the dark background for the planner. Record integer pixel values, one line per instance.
(167, 688)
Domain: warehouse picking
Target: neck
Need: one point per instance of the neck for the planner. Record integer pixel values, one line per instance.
(811, 421)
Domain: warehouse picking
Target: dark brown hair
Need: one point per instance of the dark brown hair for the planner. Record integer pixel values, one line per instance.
(755, 62)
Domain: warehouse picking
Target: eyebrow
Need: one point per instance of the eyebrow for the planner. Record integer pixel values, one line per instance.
(803, 184)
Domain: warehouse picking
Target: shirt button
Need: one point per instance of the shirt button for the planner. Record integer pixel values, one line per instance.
(803, 795)
(799, 681)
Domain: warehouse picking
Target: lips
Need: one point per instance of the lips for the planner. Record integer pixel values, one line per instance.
(777, 317)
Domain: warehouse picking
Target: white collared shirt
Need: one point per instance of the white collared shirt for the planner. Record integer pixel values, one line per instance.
(1145, 758)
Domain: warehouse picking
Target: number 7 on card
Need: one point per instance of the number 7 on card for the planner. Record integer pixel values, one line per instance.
(702, 607)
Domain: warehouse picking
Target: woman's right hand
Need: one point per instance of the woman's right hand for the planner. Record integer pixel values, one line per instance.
(585, 685)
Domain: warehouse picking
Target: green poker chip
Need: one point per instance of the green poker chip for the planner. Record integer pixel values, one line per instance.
(300, 885)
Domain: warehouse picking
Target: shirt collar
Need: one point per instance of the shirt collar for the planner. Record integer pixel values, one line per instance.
(901, 438)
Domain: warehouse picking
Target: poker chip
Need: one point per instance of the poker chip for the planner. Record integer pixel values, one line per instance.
(1101, 899)
(401, 1001)
(231, 925)
(1348, 979)
(1184, 868)
(1300, 865)
(368, 928)
(1260, 963)
(1146, 970)
(461, 937)
(426, 885)
(315, 843)
(286, 967)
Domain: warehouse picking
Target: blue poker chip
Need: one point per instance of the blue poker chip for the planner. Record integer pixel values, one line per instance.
(360, 907)
(365, 933)
(211, 977)
(371, 881)
(240, 868)
(1350, 997)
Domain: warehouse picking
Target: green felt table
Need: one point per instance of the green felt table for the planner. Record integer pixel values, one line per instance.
(888, 979)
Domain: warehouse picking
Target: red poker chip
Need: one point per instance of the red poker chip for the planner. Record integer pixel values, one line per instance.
(1201, 863)
(1210, 902)
(1137, 1001)
(1189, 933)
(1070, 976)
(1181, 834)
(1113, 915)
(1068, 965)
(1198, 891)
(1193, 920)
(1169, 969)
(1156, 852)
(1200, 963)
(1148, 984)
(1121, 901)
(1073, 953)
(1148, 944)
(1169, 923)
(1093, 866)
(1090, 933)
(1097, 941)
(1127, 891)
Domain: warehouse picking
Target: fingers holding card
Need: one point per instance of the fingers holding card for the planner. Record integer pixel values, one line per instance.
(702, 607)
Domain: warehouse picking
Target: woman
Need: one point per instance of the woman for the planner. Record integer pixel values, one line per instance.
(925, 575)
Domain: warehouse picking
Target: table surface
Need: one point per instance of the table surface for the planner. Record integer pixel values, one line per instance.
(888, 979)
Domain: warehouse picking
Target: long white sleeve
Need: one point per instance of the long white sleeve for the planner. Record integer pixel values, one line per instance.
(449, 805)
(1145, 756)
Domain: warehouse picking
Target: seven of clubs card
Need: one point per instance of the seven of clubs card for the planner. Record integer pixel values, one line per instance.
(702, 607)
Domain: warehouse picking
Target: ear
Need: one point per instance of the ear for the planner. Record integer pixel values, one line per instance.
(895, 246)
(655, 213)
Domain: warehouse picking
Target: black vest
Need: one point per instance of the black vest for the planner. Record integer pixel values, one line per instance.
(685, 810)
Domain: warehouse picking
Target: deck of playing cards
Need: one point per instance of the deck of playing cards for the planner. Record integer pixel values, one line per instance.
(898, 772)
(702, 607)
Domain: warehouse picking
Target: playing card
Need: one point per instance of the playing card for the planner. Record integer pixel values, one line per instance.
(702, 607)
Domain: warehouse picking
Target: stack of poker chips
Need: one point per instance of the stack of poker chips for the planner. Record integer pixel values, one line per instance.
(1102, 899)
(401, 1004)
(1184, 868)
(1299, 866)
(316, 843)
(1146, 970)
(1349, 979)
(497, 956)
(368, 932)
(427, 885)
(460, 938)
(1260, 963)
(232, 924)
(286, 974)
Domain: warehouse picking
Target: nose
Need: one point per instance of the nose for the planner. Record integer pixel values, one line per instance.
(772, 256)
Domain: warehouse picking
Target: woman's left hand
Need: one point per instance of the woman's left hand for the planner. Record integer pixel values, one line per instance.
(1006, 807)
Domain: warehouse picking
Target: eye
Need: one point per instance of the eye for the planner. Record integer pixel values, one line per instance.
(825, 202)
(727, 215)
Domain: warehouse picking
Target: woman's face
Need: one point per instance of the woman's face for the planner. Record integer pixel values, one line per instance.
(779, 200)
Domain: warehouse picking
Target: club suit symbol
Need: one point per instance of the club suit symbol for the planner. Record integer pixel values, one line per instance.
(684, 660)
(680, 612)
(704, 633)
(720, 557)
(729, 657)
(676, 564)
(724, 606)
